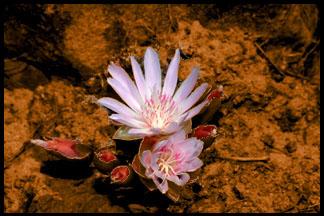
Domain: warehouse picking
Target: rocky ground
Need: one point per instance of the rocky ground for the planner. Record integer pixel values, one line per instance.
(267, 57)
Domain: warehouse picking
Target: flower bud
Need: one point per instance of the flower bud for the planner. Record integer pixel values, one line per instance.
(71, 150)
(121, 175)
(206, 133)
(105, 160)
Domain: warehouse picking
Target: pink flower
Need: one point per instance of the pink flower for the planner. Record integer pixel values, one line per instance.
(153, 109)
(171, 160)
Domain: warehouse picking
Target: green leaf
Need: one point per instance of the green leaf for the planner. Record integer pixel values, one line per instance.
(122, 134)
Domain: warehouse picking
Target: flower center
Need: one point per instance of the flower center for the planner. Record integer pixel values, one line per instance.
(168, 160)
(158, 110)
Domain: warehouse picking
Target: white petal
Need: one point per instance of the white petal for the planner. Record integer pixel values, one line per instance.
(191, 148)
(122, 77)
(125, 95)
(193, 98)
(159, 144)
(180, 119)
(171, 78)
(178, 137)
(118, 107)
(39, 142)
(172, 127)
(162, 186)
(141, 132)
(152, 69)
(180, 179)
(128, 121)
(187, 86)
(146, 158)
(139, 78)
(194, 165)
(194, 111)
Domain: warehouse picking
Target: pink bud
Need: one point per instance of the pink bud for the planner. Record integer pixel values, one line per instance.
(121, 175)
(104, 160)
(64, 148)
(206, 133)
(218, 93)
(106, 156)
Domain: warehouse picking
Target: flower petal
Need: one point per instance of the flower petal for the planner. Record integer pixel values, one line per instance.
(122, 77)
(139, 78)
(127, 121)
(154, 162)
(194, 111)
(152, 69)
(180, 179)
(190, 148)
(187, 85)
(172, 127)
(178, 137)
(194, 165)
(125, 95)
(171, 77)
(118, 107)
(159, 144)
(141, 132)
(146, 158)
(161, 184)
(193, 98)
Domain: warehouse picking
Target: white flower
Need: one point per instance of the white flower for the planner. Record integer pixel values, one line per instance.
(153, 109)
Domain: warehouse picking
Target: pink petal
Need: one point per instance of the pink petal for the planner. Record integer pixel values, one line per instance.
(152, 69)
(118, 107)
(65, 147)
(141, 132)
(149, 172)
(194, 111)
(180, 119)
(177, 137)
(125, 95)
(127, 121)
(193, 98)
(146, 158)
(162, 186)
(187, 86)
(158, 145)
(154, 164)
(171, 78)
(180, 179)
(194, 165)
(190, 148)
(139, 78)
(122, 77)
(172, 127)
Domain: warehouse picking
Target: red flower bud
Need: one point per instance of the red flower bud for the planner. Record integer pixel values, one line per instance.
(105, 160)
(206, 133)
(121, 175)
(64, 148)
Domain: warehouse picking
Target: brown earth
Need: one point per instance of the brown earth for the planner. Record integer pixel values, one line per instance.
(267, 58)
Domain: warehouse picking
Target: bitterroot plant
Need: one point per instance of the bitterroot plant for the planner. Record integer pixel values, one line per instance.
(161, 117)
